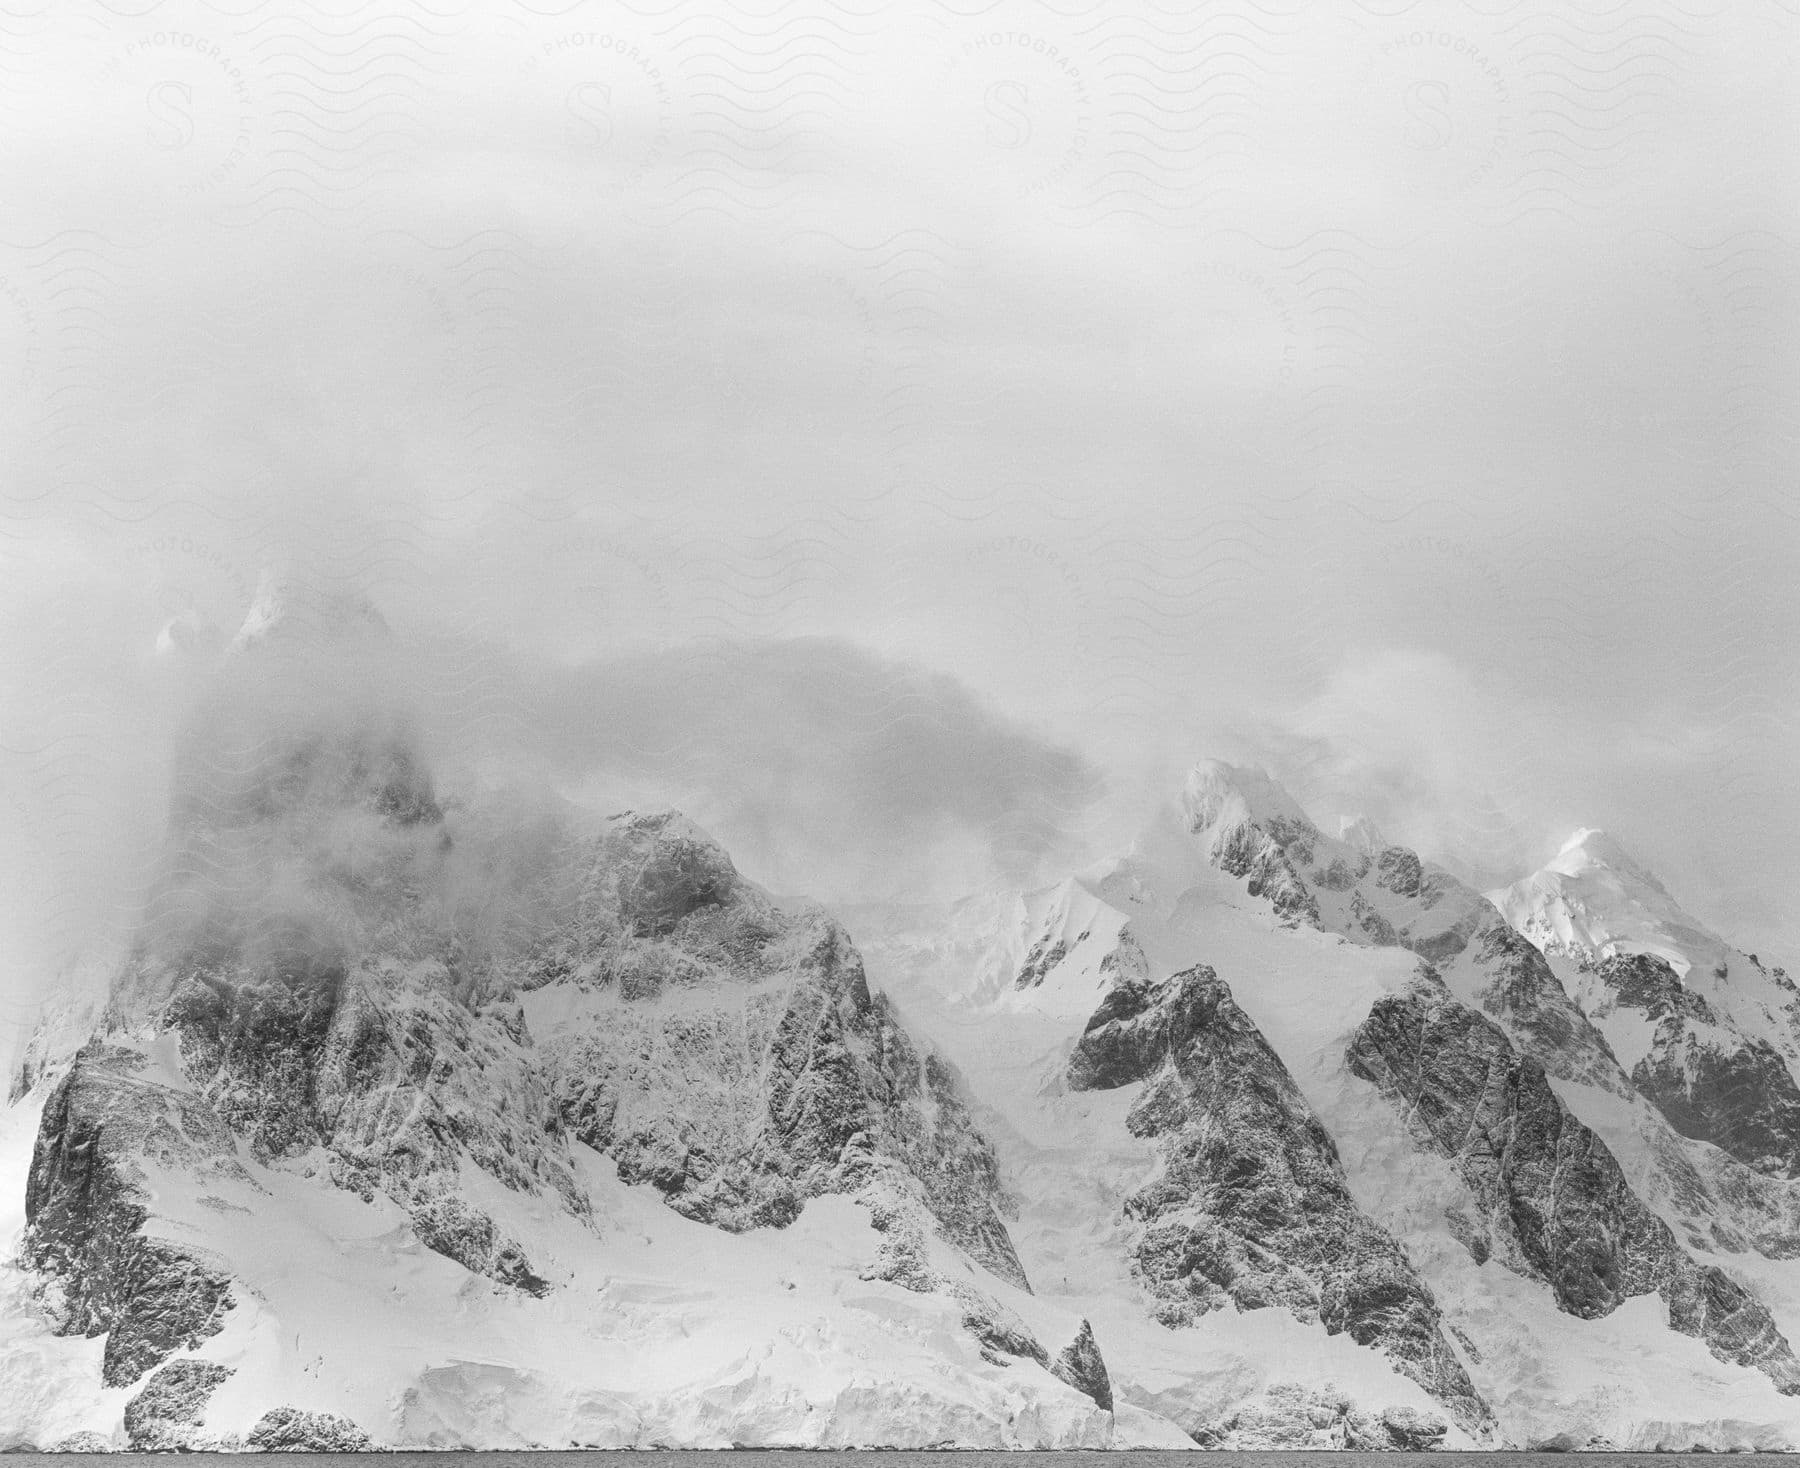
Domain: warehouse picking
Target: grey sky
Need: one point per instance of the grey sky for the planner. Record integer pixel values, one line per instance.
(1405, 400)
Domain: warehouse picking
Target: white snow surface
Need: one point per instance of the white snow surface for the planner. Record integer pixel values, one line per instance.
(665, 1332)
(661, 1332)
(1594, 900)
(1625, 1378)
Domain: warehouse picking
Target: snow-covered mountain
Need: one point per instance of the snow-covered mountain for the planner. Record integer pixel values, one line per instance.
(426, 1118)
(1603, 1275)
(1593, 900)
(465, 1123)
(1709, 1033)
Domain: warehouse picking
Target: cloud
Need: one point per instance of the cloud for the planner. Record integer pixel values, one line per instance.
(824, 768)
(1132, 468)
(1437, 757)
(305, 769)
(1487, 774)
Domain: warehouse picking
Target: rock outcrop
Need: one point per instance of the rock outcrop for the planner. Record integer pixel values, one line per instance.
(1079, 1364)
(732, 1055)
(289, 1430)
(1250, 827)
(82, 1442)
(89, 1195)
(166, 1414)
(1250, 1207)
(1294, 1418)
(342, 977)
(1706, 1031)
(1712, 1081)
(1550, 1201)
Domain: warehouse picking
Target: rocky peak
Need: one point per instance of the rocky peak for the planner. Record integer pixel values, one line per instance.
(1548, 1198)
(1389, 897)
(1710, 1038)
(338, 988)
(1247, 825)
(1218, 797)
(1250, 827)
(664, 869)
(1250, 1206)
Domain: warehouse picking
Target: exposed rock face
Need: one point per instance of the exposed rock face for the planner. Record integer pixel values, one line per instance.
(1517, 987)
(1551, 1201)
(82, 1442)
(1647, 982)
(1045, 954)
(349, 978)
(1706, 1030)
(905, 1260)
(89, 1196)
(1742, 1098)
(172, 1404)
(1298, 1418)
(1075, 946)
(1267, 857)
(289, 1430)
(729, 1053)
(738, 1061)
(1080, 1365)
(379, 1063)
(1250, 827)
(1251, 1207)
(1714, 1083)
(312, 947)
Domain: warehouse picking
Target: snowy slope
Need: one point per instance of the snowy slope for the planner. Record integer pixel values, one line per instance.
(661, 1332)
(1593, 899)
(1624, 1377)
(428, 1122)
(1594, 903)
(1708, 1033)
(441, 1123)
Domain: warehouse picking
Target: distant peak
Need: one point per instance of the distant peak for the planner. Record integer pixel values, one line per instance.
(289, 608)
(1579, 839)
(1588, 848)
(1216, 791)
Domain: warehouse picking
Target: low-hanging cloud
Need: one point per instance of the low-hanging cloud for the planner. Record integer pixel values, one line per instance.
(824, 767)
(303, 776)
(1488, 775)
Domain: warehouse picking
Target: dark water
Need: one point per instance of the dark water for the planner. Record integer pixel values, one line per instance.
(758, 1458)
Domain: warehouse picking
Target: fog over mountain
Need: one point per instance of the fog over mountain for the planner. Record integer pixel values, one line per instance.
(1010, 516)
(1405, 417)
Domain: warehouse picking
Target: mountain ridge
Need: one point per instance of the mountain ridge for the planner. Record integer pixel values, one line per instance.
(613, 1148)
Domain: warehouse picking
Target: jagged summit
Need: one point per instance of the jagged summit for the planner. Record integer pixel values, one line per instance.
(1711, 1036)
(1257, 1136)
(439, 1056)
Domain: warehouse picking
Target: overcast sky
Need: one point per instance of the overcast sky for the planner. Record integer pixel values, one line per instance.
(908, 435)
